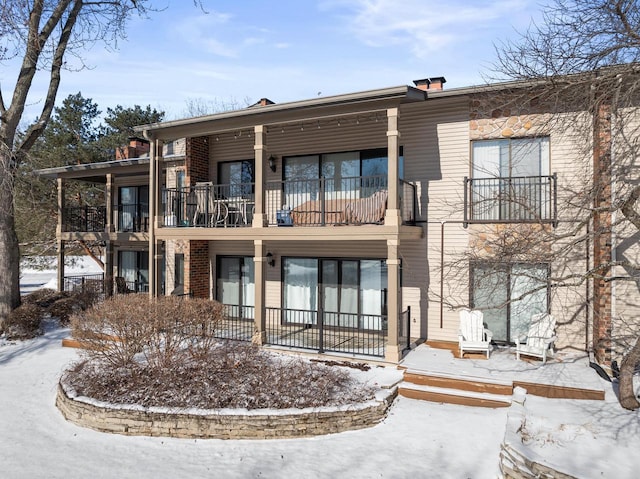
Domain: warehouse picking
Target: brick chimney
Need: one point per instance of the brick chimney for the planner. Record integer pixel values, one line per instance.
(430, 84)
(263, 102)
(135, 149)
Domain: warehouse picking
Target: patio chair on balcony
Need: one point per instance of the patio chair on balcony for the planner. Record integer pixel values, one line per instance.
(473, 336)
(121, 286)
(214, 210)
(539, 339)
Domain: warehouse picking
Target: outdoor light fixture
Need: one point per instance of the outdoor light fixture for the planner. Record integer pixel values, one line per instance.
(271, 261)
(272, 163)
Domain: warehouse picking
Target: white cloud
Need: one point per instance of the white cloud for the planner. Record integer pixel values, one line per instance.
(205, 32)
(424, 26)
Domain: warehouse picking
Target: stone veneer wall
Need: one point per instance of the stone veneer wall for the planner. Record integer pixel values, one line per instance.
(514, 464)
(221, 424)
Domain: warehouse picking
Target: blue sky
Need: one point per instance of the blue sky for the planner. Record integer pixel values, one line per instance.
(243, 50)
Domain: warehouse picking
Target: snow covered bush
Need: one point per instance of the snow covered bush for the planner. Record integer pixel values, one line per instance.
(24, 322)
(44, 297)
(163, 352)
(232, 375)
(63, 308)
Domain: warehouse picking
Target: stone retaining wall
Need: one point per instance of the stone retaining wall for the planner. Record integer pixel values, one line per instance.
(514, 464)
(224, 423)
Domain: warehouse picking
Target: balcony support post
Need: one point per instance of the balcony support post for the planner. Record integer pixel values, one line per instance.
(393, 351)
(61, 206)
(155, 180)
(260, 149)
(110, 196)
(108, 269)
(260, 262)
(392, 215)
(60, 245)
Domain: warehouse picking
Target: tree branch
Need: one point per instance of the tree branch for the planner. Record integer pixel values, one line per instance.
(54, 83)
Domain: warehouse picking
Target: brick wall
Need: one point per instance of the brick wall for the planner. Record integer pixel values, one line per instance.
(196, 264)
(197, 160)
(602, 234)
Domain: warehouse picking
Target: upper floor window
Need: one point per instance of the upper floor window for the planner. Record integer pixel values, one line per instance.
(508, 158)
(510, 181)
(237, 177)
(133, 208)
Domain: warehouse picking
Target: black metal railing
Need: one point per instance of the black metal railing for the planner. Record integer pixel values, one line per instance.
(363, 334)
(408, 202)
(404, 329)
(524, 199)
(85, 283)
(84, 218)
(124, 286)
(238, 323)
(208, 205)
(133, 217)
(327, 201)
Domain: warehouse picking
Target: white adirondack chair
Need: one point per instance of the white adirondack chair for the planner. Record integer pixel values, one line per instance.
(539, 339)
(473, 336)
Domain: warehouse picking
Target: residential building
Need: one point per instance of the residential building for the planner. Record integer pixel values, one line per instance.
(359, 223)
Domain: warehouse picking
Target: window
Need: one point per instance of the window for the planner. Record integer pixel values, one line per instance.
(133, 266)
(508, 294)
(178, 278)
(353, 292)
(334, 179)
(510, 179)
(236, 285)
(236, 178)
(133, 209)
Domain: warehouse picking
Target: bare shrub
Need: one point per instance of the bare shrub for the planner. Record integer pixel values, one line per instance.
(115, 330)
(160, 329)
(24, 322)
(92, 291)
(44, 297)
(63, 308)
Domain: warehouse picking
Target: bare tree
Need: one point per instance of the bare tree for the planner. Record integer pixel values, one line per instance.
(583, 57)
(43, 34)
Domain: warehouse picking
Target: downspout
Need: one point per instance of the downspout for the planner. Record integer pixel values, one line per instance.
(442, 223)
(587, 290)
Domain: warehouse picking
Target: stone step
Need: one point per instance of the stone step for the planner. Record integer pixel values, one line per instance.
(453, 396)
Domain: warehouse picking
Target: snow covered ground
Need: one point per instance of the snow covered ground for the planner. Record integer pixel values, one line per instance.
(416, 440)
(587, 439)
(33, 278)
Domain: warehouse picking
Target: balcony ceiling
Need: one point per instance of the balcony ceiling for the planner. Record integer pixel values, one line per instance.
(276, 114)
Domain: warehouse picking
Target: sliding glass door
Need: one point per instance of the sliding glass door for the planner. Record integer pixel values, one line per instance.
(346, 293)
(236, 285)
(133, 266)
(509, 294)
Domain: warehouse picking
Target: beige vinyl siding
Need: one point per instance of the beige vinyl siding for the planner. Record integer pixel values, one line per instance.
(572, 163)
(329, 138)
(435, 137)
(626, 291)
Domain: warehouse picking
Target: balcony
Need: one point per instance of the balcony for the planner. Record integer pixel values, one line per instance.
(208, 205)
(360, 200)
(527, 199)
(91, 219)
